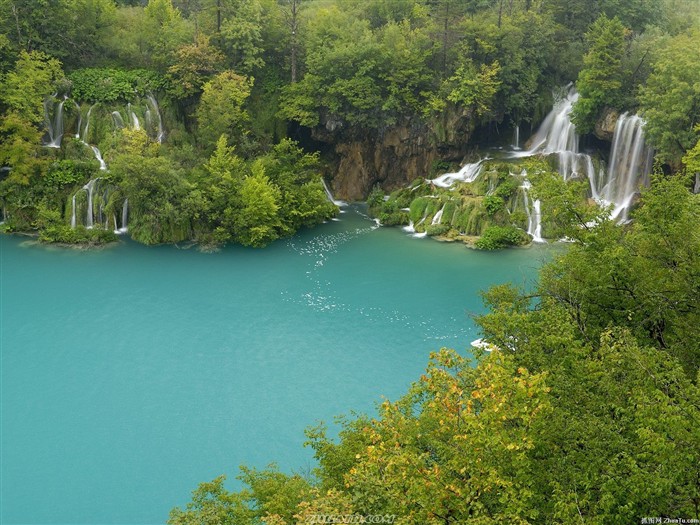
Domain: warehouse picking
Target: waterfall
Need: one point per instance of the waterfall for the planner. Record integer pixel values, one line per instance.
(89, 187)
(125, 216)
(54, 128)
(73, 222)
(438, 216)
(84, 136)
(630, 165)
(516, 138)
(468, 173)
(117, 119)
(410, 228)
(134, 119)
(98, 156)
(533, 211)
(696, 189)
(80, 119)
(154, 104)
(330, 195)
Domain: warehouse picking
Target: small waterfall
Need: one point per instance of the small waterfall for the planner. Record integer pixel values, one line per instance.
(84, 136)
(80, 119)
(90, 188)
(630, 165)
(117, 119)
(516, 138)
(54, 128)
(98, 156)
(134, 119)
(533, 211)
(73, 222)
(330, 195)
(125, 216)
(696, 189)
(468, 173)
(154, 104)
(410, 228)
(438, 216)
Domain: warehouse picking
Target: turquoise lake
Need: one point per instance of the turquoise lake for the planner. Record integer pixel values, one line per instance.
(133, 373)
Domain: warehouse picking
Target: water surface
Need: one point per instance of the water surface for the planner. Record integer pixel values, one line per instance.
(131, 374)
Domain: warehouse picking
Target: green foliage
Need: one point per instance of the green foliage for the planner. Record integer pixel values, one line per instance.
(63, 234)
(474, 89)
(670, 101)
(113, 85)
(437, 229)
(221, 111)
(32, 80)
(68, 172)
(195, 64)
(493, 204)
(600, 81)
(498, 237)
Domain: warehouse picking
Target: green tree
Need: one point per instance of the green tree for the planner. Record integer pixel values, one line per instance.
(600, 81)
(670, 100)
(257, 220)
(221, 109)
(194, 65)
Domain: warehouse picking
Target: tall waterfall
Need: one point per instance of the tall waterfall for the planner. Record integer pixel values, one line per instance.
(54, 127)
(629, 168)
(516, 138)
(468, 173)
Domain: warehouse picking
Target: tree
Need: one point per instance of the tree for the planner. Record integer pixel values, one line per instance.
(195, 64)
(221, 109)
(257, 221)
(600, 81)
(670, 100)
(33, 78)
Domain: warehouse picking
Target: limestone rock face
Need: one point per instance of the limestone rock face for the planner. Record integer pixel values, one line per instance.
(605, 126)
(394, 156)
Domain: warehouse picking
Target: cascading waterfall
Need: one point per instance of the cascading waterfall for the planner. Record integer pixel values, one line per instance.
(630, 165)
(516, 138)
(557, 135)
(54, 128)
(630, 158)
(468, 173)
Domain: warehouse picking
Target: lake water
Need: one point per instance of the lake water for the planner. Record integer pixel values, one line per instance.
(131, 374)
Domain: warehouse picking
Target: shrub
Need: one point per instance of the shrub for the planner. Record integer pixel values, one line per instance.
(437, 229)
(498, 237)
(493, 204)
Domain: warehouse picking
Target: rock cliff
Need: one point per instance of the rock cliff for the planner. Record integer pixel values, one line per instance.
(393, 156)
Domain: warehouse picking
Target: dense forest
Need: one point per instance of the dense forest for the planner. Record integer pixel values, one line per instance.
(216, 121)
(213, 120)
